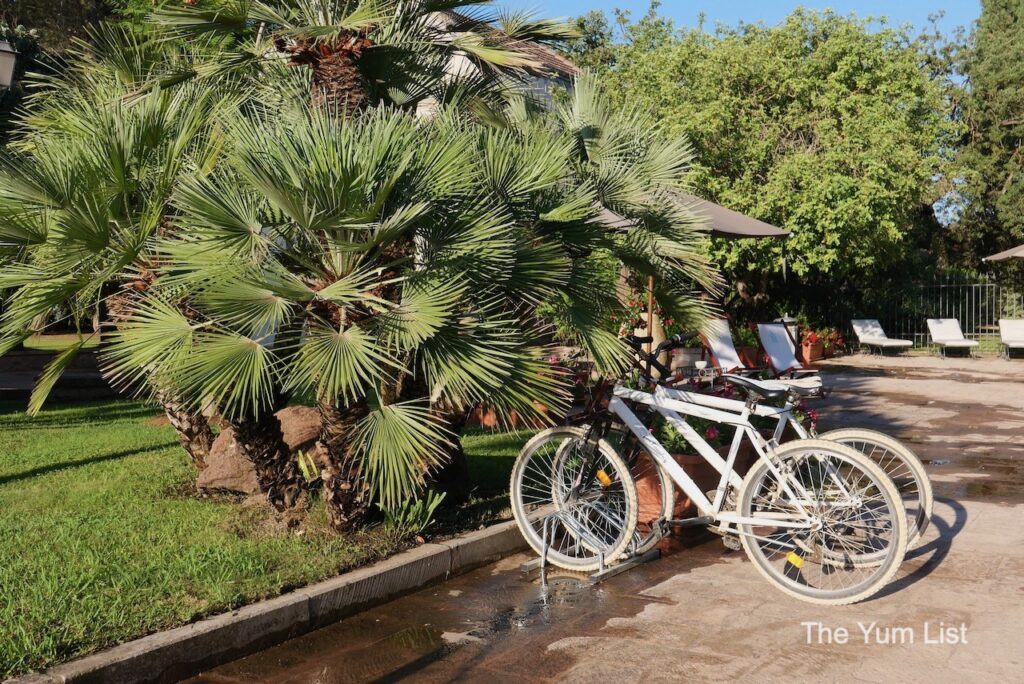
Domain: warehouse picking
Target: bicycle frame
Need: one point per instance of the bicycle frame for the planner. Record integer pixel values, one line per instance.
(741, 422)
(784, 416)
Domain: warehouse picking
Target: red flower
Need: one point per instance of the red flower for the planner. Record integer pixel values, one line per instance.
(711, 432)
(811, 337)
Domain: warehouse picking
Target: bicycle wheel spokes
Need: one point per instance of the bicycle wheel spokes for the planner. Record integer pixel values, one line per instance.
(574, 498)
(898, 471)
(854, 537)
(902, 466)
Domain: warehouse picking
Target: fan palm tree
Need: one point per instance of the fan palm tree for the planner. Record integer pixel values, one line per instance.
(366, 52)
(84, 193)
(395, 269)
(122, 84)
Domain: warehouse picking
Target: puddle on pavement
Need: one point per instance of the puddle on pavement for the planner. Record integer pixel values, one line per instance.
(982, 478)
(493, 621)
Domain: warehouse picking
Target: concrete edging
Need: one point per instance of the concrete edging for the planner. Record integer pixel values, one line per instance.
(185, 651)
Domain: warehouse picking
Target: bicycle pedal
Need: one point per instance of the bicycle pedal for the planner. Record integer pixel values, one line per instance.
(729, 537)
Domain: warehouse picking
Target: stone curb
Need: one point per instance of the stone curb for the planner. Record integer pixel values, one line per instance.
(185, 651)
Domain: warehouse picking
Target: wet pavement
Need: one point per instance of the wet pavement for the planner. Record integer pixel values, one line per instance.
(954, 613)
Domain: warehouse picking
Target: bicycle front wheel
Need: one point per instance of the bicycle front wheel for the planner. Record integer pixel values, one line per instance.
(573, 501)
(855, 513)
(902, 466)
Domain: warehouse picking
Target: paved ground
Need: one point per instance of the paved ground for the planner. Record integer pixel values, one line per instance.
(703, 613)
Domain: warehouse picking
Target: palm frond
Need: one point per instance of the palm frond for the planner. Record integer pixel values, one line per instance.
(51, 374)
(343, 364)
(426, 306)
(156, 337)
(398, 445)
(238, 373)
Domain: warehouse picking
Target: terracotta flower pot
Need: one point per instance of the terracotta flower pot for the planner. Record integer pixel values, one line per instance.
(484, 415)
(702, 473)
(811, 351)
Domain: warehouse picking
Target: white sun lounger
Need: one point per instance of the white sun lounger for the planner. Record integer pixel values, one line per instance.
(718, 340)
(1011, 332)
(781, 350)
(946, 333)
(870, 334)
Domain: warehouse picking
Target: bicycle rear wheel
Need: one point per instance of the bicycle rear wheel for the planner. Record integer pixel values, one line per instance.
(902, 466)
(857, 514)
(578, 524)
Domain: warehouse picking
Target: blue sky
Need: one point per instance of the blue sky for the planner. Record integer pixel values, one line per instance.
(685, 12)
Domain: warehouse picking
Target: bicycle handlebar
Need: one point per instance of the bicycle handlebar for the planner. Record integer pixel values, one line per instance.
(648, 362)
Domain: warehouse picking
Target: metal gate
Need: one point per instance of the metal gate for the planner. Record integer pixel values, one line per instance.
(978, 306)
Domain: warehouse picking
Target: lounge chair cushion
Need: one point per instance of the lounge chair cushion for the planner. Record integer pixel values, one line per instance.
(884, 342)
(1011, 330)
(946, 332)
(870, 333)
(780, 348)
(718, 339)
(963, 344)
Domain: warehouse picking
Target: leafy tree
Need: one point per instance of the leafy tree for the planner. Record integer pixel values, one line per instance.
(392, 269)
(58, 22)
(593, 47)
(991, 194)
(821, 125)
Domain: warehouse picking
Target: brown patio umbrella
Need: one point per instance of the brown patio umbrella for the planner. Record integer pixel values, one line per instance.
(1012, 253)
(723, 223)
(728, 223)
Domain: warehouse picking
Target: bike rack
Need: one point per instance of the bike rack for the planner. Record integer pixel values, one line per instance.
(604, 572)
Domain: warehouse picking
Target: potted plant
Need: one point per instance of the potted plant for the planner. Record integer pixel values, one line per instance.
(812, 348)
(692, 463)
(832, 341)
(747, 346)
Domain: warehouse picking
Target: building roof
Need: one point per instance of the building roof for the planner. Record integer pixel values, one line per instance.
(549, 60)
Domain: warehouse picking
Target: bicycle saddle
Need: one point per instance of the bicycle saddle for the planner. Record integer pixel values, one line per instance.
(764, 389)
(805, 387)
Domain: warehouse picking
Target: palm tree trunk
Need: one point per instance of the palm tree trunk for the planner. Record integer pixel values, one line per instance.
(344, 489)
(261, 441)
(452, 477)
(337, 82)
(194, 431)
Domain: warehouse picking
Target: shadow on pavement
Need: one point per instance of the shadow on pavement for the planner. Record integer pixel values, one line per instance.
(936, 550)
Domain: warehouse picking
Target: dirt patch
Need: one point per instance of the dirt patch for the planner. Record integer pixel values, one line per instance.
(256, 518)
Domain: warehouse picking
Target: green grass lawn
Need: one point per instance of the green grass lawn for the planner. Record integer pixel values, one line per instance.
(104, 541)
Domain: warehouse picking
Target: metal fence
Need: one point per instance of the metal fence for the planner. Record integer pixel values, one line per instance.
(977, 305)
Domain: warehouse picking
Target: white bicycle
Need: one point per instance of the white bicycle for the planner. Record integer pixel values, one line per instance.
(899, 462)
(818, 519)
